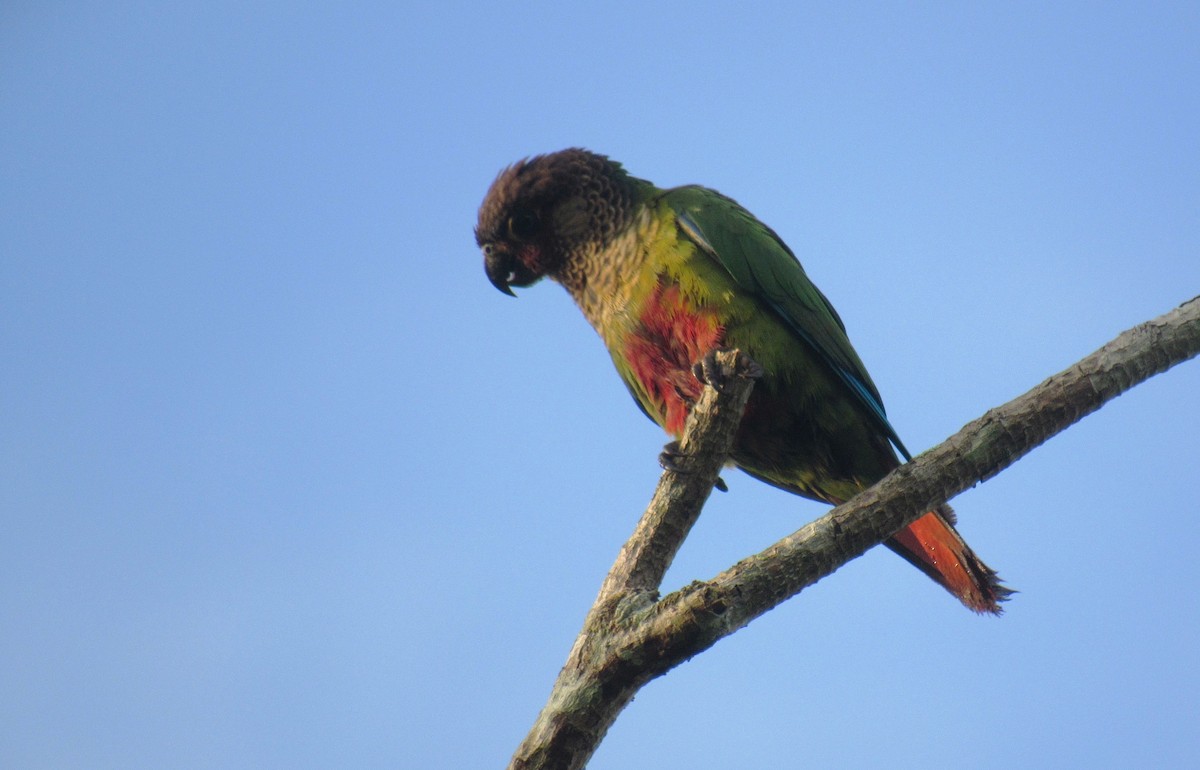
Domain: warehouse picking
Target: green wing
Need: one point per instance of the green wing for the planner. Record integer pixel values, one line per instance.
(762, 264)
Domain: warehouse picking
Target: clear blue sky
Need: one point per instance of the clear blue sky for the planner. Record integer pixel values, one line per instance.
(284, 483)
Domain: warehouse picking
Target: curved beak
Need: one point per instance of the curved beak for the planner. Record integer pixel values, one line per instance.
(498, 264)
(504, 270)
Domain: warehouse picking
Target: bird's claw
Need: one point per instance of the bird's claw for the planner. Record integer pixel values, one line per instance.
(711, 372)
(669, 460)
(670, 456)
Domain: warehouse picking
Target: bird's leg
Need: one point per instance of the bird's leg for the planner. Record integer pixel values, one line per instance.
(710, 372)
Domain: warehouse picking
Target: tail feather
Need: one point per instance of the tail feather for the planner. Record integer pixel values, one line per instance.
(932, 545)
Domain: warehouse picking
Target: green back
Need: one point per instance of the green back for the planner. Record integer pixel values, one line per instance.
(761, 264)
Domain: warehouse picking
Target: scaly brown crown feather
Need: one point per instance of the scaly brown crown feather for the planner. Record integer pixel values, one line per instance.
(543, 210)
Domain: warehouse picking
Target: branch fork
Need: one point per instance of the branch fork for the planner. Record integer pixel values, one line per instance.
(630, 636)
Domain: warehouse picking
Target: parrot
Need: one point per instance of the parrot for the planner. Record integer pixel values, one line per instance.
(668, 276)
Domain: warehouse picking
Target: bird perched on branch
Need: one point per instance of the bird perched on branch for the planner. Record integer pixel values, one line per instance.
(667, 277)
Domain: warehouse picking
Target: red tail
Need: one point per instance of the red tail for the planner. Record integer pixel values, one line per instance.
(932, 545)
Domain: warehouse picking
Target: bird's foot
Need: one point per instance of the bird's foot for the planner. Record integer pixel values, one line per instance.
(710, 371)
(670, 456)
(669, 460)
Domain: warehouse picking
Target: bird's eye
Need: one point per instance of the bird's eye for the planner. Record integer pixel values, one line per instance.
(523, 226)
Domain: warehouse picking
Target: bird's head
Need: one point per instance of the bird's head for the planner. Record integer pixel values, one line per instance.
(542, 211)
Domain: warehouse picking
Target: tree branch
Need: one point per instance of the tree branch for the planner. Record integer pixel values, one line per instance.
(629, 637)
(595, 683)
(681, 493)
